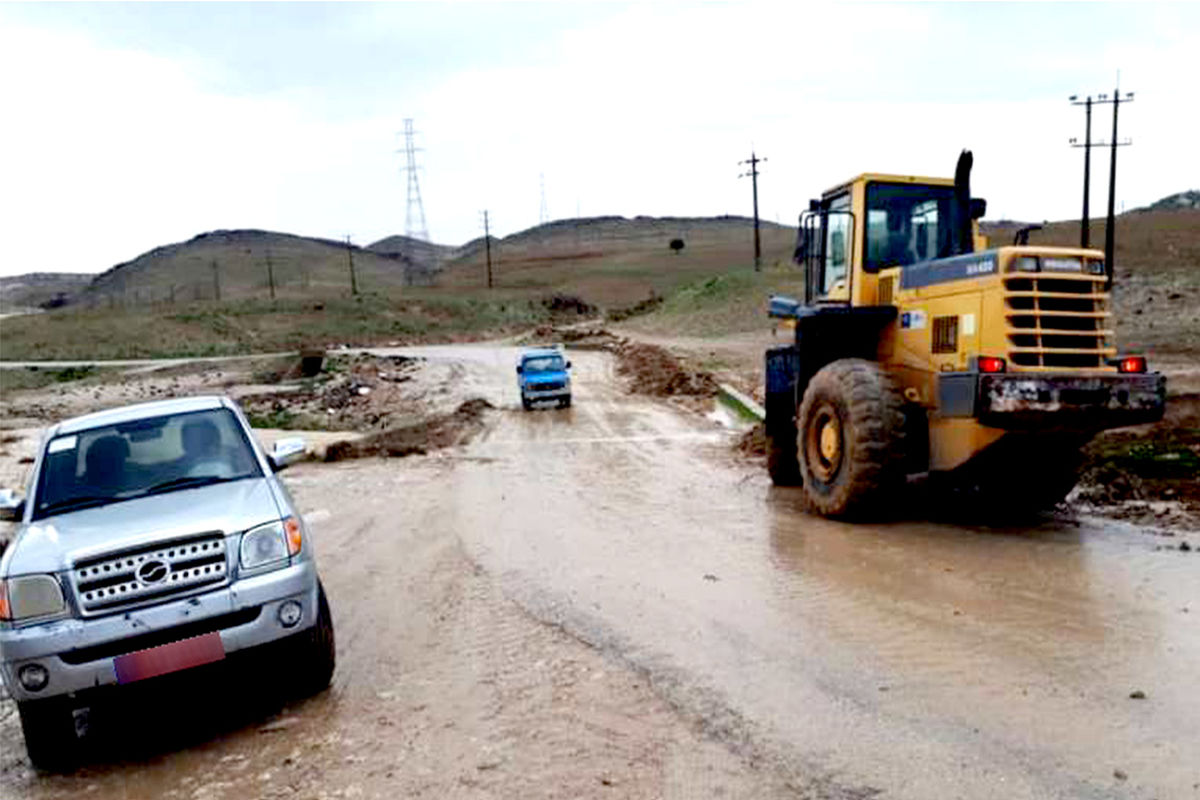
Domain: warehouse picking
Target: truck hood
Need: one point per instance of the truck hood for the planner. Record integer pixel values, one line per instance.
(56, 543)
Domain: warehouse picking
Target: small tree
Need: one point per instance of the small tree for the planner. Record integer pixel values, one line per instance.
(676, 245)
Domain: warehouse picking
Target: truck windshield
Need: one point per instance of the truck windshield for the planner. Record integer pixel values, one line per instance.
(109, 464)
(544, 364)
(907, 223)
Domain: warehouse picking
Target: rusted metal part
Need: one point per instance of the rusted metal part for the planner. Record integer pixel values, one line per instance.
(1069, 402)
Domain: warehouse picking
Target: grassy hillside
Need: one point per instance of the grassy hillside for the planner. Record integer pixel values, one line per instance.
(240, 265)
(247, 326)
(30, 291)
(614, 262)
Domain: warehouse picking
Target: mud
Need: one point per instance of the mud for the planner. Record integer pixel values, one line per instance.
(447, 430)
(654, 371)
(606, 601)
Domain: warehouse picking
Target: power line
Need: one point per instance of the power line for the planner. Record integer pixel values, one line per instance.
(414, 216)
(754, 161)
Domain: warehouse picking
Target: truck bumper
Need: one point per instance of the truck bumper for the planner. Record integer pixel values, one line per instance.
(81, 654)
(1053, 402)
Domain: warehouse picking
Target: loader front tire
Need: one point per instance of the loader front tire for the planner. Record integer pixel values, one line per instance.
(850, 439)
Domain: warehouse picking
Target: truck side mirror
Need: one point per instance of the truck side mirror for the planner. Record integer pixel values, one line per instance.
(520, 369)
(287, 452)
(568, 365)
(978, 207)
(12, 506)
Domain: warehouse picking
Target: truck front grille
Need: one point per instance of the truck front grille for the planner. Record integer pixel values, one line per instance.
(547, 387)
(115, 580)
(1060, 322)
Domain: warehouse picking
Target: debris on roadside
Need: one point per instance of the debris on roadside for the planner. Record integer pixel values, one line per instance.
(653, 370)
(457, 427)
(754, 441)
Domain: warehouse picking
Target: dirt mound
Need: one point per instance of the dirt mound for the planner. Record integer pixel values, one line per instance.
(568, 304)
(754, 441)
(357, 393)
(654, 371)
(1148, 473)
(457, 427)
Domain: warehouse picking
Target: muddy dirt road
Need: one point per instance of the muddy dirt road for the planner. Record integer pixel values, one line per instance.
(604, 602)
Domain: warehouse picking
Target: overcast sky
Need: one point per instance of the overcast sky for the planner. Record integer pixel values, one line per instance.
(129, 126)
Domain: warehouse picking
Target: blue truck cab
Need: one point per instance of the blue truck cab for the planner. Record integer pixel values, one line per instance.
(542, 375)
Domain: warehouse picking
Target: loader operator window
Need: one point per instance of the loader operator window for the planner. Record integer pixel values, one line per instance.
(837, 243)
(907, 223)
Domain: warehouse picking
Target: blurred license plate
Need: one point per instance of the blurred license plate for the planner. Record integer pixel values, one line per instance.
(171, 657)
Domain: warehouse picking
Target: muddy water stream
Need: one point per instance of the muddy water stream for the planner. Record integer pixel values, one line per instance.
(705, 636)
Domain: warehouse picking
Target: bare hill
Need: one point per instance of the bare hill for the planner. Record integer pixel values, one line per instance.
(615, 261)
(423, 257)
(28, 292)
(243, 264)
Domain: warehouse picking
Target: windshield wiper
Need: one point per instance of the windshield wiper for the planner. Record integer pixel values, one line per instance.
(187, 483)
(74, 504)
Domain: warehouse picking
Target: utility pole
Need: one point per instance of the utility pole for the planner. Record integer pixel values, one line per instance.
(1085, 222)
(350, 258)
(487, 246)
(270, 275)
(754, 161)
(1110, 224)
(216, 271)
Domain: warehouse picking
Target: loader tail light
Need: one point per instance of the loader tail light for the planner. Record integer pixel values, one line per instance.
(990, 364)
(1132, 364)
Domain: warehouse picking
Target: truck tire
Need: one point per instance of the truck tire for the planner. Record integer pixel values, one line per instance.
(318, 652)
(850, 436)
(779, 401)
(783, 464)
(565, 402)
(49, 729)
(526, 403)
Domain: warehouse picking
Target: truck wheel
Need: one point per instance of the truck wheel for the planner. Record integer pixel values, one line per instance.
(526, 403)
(565, 402)
(49, 729)
(318, 653)
(850, 435)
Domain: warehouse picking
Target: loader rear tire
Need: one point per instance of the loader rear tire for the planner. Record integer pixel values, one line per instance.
(850, 437)
(783, 464)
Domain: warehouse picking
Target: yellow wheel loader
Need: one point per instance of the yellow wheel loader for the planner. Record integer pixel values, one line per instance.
(919, 350)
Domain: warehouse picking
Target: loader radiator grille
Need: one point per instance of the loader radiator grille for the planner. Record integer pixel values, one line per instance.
(1058, 323)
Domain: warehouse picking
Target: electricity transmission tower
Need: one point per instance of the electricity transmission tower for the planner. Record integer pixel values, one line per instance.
(414, 217)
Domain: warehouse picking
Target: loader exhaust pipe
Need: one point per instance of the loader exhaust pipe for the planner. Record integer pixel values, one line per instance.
(963, 238)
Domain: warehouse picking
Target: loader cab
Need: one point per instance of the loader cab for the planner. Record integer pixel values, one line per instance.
(875, 222)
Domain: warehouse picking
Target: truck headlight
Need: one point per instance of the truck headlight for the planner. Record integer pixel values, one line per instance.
(30, 597)
(266, 544)
(1024, 264)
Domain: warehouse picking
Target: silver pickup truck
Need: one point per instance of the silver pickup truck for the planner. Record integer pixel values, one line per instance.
(152, 539)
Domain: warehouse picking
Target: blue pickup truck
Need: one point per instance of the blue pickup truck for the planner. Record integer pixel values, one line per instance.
(542, 375)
